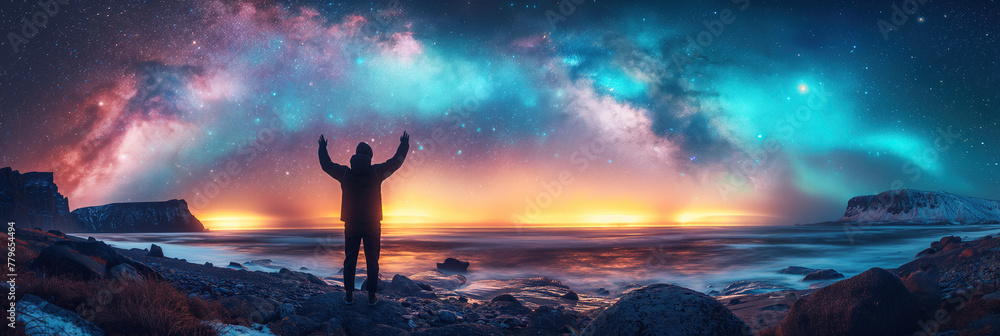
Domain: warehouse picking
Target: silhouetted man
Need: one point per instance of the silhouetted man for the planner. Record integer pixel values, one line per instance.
(361, 208)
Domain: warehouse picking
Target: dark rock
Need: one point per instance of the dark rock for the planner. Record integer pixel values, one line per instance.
(285, 310)
(403, 286)
(125, 272)
(356, 319)
(872, 303)
(236, 265)
(285, 273)
(968, 253)
(256, 309)
(155, 251)
(505, 297)
(603, 292)
(209, 264)
(667, 310)
(303, 268)
(447, 317)
(294, 325)
(571, 295)
(60, 260)
(825, 274)
(926, 252)
(546, 318)
(33, 200)
(797, 270)
(57, 233)
(111, 256)
(452, 265)
(167, 216)
(946, 243)
(465, 329)
(424, 286)
(925, 288)
(49, 319)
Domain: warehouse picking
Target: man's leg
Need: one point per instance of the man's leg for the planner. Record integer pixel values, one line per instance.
(352, 244)
(372, 249)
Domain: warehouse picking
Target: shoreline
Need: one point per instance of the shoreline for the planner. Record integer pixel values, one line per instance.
(415, 309)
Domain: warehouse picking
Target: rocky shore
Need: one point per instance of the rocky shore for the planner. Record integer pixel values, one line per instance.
(949, 289)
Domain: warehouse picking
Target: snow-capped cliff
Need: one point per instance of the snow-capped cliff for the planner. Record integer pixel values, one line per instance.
(916, 206)
(167, 216)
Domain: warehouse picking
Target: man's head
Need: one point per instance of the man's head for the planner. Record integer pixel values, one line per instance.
(364, 149)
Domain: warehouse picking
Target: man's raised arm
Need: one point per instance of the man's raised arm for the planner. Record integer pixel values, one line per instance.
(334, 170)
(390, 166)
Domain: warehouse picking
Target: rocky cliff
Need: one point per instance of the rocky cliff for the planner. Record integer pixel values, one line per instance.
(33, 200)
(167, 216)
(916, 206)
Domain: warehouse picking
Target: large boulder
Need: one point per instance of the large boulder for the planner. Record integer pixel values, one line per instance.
(111, 257)
(925, 288)
(60, 260)
(43, 318)
(874, 303)
(155, 251)
(125, 272)
(667, 310)
(402, 285)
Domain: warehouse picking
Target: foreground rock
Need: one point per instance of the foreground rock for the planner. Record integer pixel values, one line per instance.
(356, 319)
(667, 310)
(872, 303)
(43, 318)
(60, 260)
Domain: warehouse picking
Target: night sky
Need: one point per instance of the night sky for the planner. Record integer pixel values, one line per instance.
(541, 112)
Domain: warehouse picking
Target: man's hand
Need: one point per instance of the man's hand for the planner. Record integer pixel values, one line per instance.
(322, 141)
(405, 138)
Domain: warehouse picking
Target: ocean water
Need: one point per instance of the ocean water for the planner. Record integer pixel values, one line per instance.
(702, 258)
